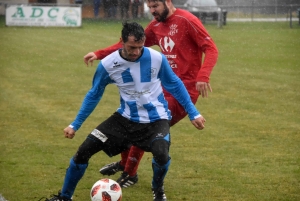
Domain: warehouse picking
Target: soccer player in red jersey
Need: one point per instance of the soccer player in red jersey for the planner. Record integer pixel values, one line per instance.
(191, 53)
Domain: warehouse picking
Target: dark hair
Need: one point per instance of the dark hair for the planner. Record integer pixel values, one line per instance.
(132, 29)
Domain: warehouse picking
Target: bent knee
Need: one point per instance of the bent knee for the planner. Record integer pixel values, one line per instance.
(160, 151)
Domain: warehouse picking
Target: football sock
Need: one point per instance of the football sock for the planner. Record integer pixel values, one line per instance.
(73, 175)
(134, 157)
(159, 173)
(124, 156)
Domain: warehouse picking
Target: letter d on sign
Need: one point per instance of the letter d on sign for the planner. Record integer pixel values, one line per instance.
(36, 12)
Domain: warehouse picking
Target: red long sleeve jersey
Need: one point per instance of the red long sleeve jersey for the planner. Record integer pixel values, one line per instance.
(183, 39)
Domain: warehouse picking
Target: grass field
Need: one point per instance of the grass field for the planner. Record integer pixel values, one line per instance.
(249, 150)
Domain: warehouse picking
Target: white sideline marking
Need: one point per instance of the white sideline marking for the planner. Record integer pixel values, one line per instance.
(260, 19)
(2, 198)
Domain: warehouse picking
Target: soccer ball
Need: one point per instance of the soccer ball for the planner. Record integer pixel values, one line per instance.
(106, 190)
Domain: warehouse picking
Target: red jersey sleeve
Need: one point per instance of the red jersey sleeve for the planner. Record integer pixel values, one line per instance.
(151, 38)
(208, 47)
(106, 51)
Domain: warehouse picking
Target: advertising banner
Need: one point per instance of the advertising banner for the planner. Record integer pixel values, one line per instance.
(57, 16)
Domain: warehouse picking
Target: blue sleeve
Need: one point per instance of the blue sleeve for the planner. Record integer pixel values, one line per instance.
(171, 82)
(100, 81)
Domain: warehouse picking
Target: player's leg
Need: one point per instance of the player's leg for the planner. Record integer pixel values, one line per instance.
(132, 160)
(129, 176)
(102, 138)
(160, 166)
(77, 167)
(112, 168)
(160, 144)
(79, 163)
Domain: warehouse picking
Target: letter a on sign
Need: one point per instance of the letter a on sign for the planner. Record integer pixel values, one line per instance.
(19, 12)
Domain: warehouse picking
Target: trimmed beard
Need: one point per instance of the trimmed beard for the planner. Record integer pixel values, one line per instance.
(164, 14)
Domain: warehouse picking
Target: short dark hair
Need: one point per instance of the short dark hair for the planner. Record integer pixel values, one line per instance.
(132, 29)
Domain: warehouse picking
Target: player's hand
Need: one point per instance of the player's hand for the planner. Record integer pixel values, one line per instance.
(203, 88)
(199, 122)
(69, 132)
(89, 58)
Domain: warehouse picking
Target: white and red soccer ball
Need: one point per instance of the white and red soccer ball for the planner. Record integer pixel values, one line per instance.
(106, 190)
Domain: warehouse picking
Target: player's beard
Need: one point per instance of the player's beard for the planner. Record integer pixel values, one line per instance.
(129, 56)
(162, 17)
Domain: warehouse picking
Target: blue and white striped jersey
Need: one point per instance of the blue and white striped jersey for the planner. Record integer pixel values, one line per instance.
(140, 87)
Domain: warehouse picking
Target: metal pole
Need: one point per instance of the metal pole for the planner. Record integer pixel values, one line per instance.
(238, 6)
(276, 10)
(252, 10)
(291, 24)
(220, 18)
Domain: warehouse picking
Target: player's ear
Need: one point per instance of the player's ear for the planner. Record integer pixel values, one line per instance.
(121, 41)
(168, 2)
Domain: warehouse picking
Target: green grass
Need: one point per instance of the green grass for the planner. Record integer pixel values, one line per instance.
(249, 150)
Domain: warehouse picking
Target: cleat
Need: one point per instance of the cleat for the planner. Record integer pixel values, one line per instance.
(58, 198)
(159, 194)
(125, 180)
(111, 169)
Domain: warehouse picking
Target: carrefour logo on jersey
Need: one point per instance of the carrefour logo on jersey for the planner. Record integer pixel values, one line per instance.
(166, 44)
(43, 16)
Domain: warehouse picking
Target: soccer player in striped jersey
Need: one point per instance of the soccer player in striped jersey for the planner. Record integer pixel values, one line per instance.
(142, 118)
(192, 54)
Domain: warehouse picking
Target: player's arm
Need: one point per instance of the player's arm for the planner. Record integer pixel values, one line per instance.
(100, 54)
(172, 83)
(92, 98)
(207, 45)
(150, 36)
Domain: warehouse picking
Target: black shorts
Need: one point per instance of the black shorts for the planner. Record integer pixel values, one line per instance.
(118, 133)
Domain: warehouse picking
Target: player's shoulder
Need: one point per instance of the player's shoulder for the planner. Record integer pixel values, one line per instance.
(111, 59)
(185, 16)
(153, 23)
(152, 52)
(182, 12)
(152, 55)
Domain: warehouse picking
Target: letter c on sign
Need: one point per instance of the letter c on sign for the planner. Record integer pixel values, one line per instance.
(50, 11)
